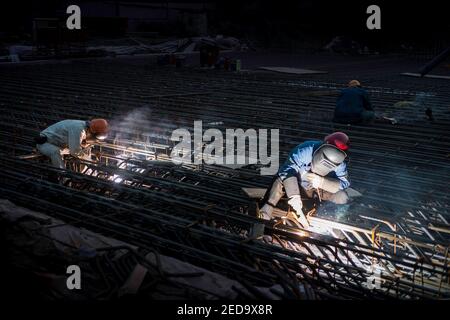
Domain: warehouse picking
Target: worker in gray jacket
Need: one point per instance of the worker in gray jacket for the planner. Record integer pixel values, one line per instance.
(69, 137)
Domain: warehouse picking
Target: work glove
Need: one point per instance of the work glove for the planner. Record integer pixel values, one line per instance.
(264, 212)
(296, 203)
(315, 180)
(326, 183)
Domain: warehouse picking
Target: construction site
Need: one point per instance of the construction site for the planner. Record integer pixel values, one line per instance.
(139, 224)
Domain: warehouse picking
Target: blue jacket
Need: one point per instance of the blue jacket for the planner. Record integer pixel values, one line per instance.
(352, 102)
(299, 163)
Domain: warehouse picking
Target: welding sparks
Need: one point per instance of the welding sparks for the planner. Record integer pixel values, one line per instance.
(319, 228)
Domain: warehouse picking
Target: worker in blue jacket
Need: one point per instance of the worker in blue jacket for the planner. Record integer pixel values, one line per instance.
(353, 105)
(312, 167)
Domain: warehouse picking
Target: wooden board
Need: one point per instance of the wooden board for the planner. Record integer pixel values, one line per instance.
(433, 76)
(352, 193)
(255, 193)
(292, 70)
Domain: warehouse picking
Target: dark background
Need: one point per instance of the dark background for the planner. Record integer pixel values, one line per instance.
(279, 24)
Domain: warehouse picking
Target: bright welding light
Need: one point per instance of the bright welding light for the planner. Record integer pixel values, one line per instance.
(318, 229)
(117, 179)
(301, 233)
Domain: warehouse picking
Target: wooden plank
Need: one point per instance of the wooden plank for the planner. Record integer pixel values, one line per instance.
(433, 76)
(292, 70)
(255, 193)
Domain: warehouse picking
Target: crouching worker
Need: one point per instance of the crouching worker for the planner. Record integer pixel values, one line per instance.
(70, 137)
(312, 167)
(353, 105)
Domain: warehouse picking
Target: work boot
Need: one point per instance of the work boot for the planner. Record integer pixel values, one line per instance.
(65, 181)
(257, 230)
(53, 177)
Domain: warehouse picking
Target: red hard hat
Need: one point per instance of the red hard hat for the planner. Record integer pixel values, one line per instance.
(99, 127)
(338, 139)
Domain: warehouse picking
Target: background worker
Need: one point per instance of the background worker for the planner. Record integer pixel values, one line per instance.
(70, 137)
(353, 105)
(312, 167)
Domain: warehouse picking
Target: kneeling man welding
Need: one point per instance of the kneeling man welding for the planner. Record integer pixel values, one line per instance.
(312, 167)
(70, 137)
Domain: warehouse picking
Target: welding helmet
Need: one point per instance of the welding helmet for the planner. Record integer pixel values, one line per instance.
(339, 140)
(326, 159)
(99, 128)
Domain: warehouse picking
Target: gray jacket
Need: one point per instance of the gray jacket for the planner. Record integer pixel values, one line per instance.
(67, 134)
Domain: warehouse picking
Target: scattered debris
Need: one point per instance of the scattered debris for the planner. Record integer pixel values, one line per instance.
(124, 46)
(184, 45)
(346, 45)
(72, 242)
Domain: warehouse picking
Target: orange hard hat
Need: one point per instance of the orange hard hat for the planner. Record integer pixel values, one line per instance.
(99, 127)
(338, 139)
